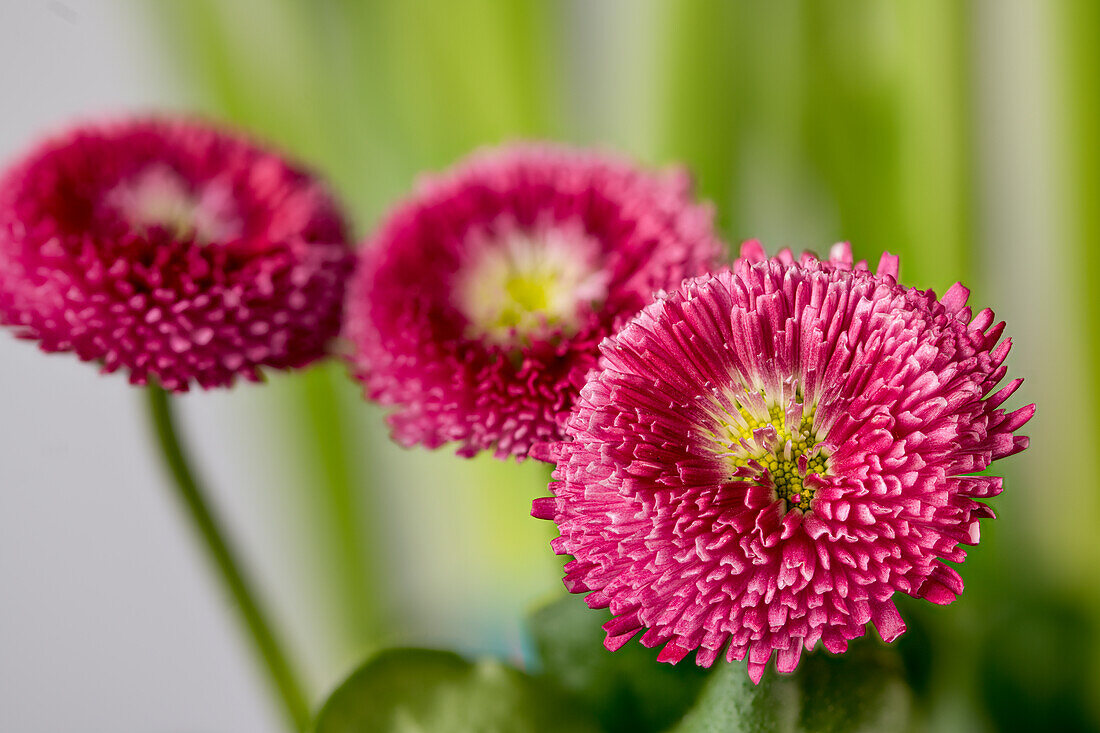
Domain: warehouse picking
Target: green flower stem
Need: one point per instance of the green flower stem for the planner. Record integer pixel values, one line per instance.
(229, 567)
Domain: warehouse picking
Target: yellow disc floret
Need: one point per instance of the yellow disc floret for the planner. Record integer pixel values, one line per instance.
(525, 284)
(779, 458)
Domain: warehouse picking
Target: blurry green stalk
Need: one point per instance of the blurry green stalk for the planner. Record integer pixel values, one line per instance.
(230, 569)
(1077, 40)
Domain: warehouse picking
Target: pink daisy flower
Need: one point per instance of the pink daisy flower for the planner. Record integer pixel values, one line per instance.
(480, 303)
(172, 251)
(765, 456)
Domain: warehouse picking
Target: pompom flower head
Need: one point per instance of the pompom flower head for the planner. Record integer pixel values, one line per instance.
(170, 250)
(766, 455)
(479, 306)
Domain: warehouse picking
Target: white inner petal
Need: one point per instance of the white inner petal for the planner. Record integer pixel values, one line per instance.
(159, 197)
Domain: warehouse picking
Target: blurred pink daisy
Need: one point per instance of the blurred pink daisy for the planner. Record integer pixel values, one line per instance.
(480, 303)
(768, 454)
(172, 251)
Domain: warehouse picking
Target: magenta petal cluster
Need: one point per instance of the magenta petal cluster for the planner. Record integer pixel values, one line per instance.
(480, 303)
(170, 250)
(767, 455)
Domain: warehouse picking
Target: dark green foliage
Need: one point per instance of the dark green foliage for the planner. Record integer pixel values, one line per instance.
(413, 690)
(861, 690)
(1034, 673)
(628, 690)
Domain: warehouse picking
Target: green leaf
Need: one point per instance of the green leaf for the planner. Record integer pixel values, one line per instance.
(628, 690)
(427, 691)
(861, 690)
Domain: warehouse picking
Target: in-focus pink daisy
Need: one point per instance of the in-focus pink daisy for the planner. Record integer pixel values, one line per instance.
(170, 250)
(480, 303)
(765, 456)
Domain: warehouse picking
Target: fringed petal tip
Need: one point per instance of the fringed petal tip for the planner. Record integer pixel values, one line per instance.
(545, 507)
(672, 653)
(753, 251)
(840, 254)
(547, 451)
(888, 621)
(954, 300)
(942, 587)
(888, 265)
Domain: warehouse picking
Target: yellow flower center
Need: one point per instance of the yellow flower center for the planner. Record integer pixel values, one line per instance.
(527, 284)
(778, 456)
(526, 295)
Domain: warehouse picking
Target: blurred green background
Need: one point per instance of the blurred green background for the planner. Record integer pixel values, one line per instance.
(964, 136)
